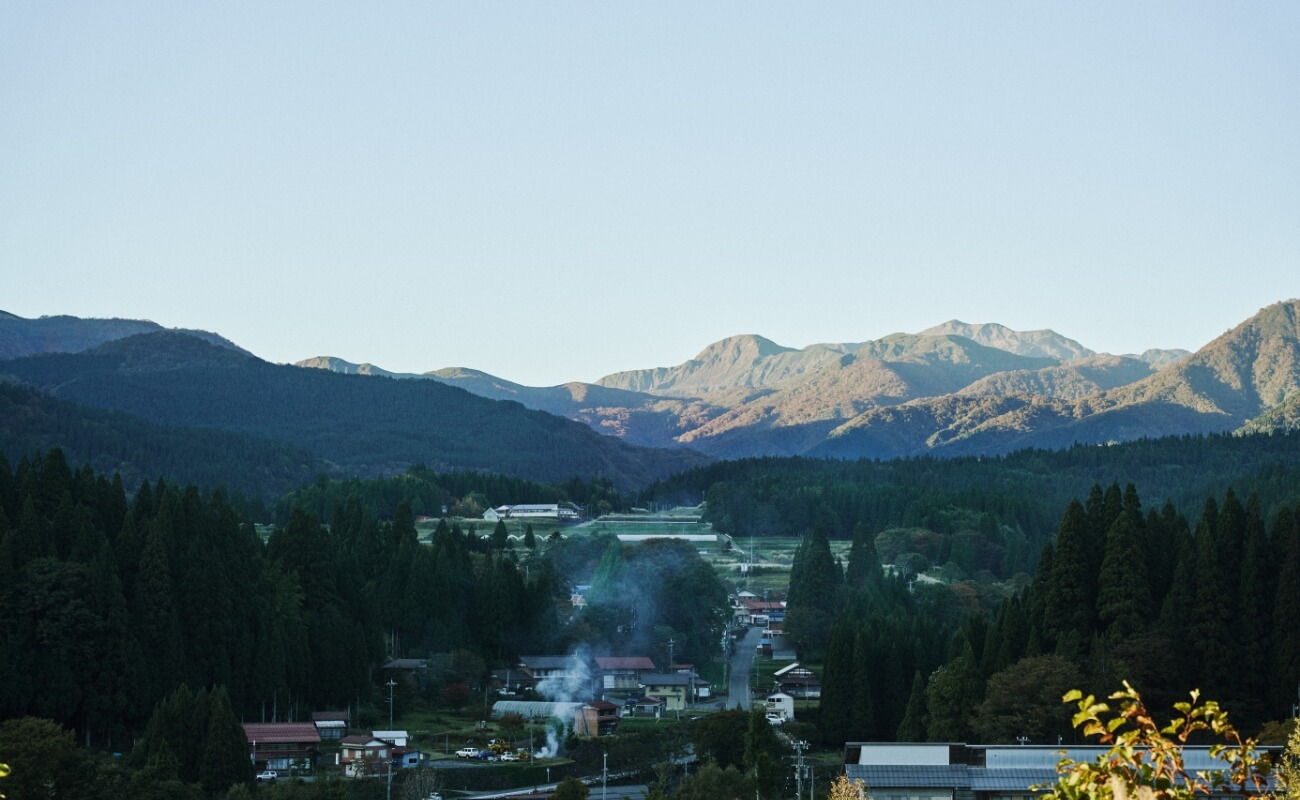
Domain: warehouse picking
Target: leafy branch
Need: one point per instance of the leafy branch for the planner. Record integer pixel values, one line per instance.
(1145, 760)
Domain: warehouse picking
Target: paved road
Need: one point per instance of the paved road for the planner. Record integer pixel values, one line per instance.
(742, 661)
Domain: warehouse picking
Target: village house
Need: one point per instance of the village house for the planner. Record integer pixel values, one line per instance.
(676, 690)
(570, 670)
(289, 747)
(644, 707)
(363, 755)
(798, 681)
(780, 704)
(623, 673)
(330, 724)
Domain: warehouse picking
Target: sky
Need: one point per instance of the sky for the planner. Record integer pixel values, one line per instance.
(554, 191)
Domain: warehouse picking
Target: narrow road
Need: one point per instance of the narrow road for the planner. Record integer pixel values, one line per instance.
(742, 661)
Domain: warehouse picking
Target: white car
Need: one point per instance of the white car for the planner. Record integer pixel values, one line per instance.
(775, 718)
(267, 775)
(469, 752)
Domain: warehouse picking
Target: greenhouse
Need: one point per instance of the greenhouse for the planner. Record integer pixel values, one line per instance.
(534, 709)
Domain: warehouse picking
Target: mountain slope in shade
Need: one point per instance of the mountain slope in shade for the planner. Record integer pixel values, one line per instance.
(636, 418)
(63, 334)
(364, 424)
(1070, 381)
(112, 442)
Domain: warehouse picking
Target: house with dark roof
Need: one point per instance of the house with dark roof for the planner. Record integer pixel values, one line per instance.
(622, 673)
(330, 724)
(569, 669)
(676, 690)
(291, 747)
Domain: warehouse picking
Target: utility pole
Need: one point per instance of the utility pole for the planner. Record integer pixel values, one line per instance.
(604, 776)
(726, 660)
(799, 768)
(391, 683)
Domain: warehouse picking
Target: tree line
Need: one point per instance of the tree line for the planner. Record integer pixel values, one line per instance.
(1121, 593)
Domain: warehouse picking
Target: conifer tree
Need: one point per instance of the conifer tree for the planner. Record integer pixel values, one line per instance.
(1071, 591)
(1286, 606)
(915, 722)
(835, 708)
(1123, 602)
(864, 563)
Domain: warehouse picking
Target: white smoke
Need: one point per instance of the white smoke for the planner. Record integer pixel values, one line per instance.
(574, 685)
(552, 746)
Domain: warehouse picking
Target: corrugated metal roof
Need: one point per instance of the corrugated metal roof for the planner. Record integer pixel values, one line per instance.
(548, 662)
(281, 732)
(624, 662)
(1008, 780)
(946, 776)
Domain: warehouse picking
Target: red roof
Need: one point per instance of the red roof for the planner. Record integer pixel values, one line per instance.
(624, 662)
(763, 605)
(281, 732)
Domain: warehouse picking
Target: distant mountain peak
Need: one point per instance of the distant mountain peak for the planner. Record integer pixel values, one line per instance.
(745, 345)
(1044, 343)
(335, 364)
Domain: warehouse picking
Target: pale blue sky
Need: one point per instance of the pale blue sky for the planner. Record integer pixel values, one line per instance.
(556, 191)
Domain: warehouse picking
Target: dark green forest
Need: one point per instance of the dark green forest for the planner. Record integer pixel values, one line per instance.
(1015, 500)
(463, 494)
(247, 466)
(1123, 593)
(128, 612)
(365, 425)
(114, 604)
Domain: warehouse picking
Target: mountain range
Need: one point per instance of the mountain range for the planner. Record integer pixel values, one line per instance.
(953, 389)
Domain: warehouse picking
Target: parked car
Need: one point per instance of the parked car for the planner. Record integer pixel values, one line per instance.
(509, 756)
(775, 718)
(267, 775)
(469, 752)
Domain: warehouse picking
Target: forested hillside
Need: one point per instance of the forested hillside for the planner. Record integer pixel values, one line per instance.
(1010, 504)
(112, 442)
(463, 494)
(1125, 592)
(364, 425)
(113, 602)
